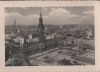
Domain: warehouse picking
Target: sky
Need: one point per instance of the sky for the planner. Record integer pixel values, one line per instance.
(51, 15)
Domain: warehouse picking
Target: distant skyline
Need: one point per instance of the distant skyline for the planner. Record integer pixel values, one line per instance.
(51, 15)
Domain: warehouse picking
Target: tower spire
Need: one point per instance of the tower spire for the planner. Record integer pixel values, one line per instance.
(14, 21)
(40, 30)
(40, 27)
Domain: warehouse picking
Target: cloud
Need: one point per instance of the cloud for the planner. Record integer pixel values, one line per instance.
(59, 16)
(13, 14)
(87, 17)
(54, 15)
(21, 19)
(32, 16)
(61, 12)
(89, 12)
